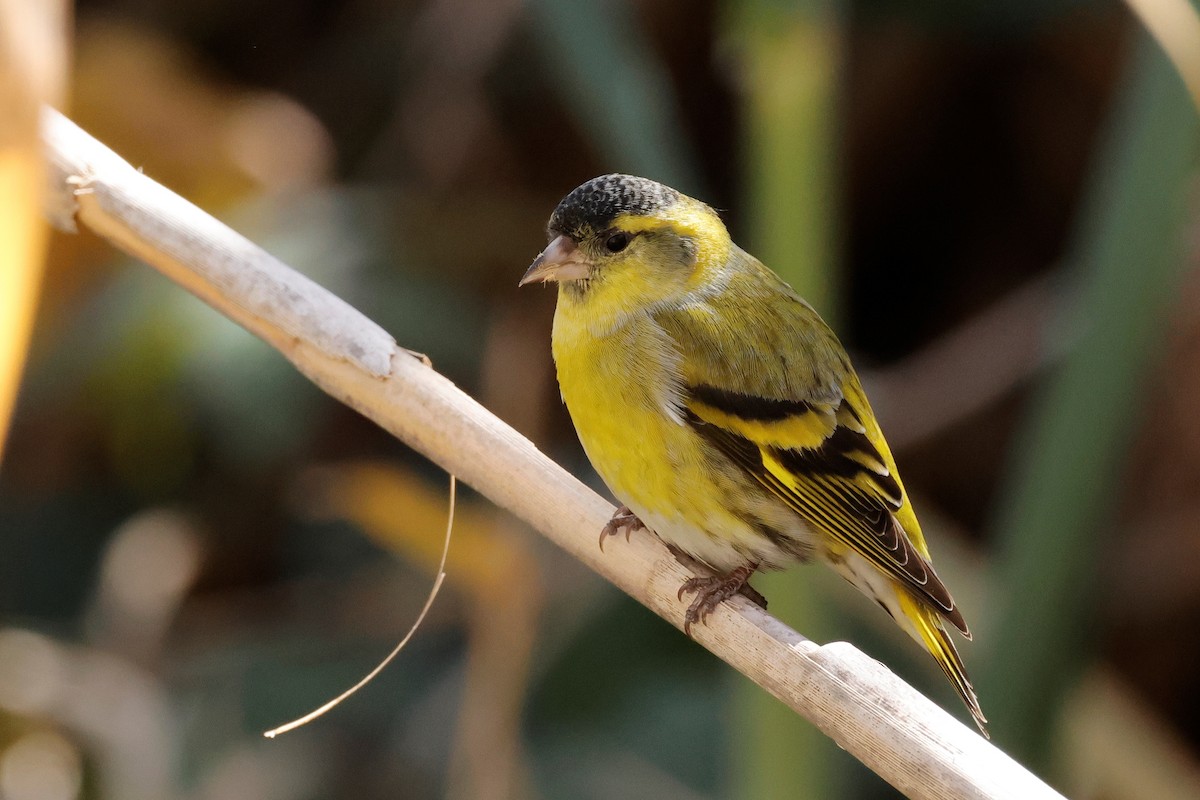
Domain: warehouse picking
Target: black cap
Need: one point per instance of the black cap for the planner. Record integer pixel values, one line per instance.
(593, 206)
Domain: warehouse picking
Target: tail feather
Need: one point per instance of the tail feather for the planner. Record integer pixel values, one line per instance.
(925, 625)
(920, 620)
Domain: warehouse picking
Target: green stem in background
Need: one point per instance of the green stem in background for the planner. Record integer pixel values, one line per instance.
(788, 54)
(789, 58)
(1057, 518)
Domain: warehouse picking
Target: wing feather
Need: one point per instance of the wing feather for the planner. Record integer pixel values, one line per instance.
(839, 483)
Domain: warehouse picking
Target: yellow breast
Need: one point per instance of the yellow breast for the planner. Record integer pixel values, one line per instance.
(622, 387)
(621, 390)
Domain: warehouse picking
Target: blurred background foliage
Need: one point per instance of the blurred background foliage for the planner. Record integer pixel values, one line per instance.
(994, 201)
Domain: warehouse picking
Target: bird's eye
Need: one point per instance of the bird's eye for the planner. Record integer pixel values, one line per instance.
(617, 242)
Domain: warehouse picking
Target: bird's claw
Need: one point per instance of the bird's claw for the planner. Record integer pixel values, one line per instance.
(622, 519)
(712, 590)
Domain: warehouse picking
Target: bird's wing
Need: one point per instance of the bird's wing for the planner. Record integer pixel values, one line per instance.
(813, 443)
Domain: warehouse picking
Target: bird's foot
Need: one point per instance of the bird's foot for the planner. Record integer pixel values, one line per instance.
(712, 590)
(747, 591)
(622, 519)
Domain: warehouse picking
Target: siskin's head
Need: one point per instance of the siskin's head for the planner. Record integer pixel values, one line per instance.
(626, 242)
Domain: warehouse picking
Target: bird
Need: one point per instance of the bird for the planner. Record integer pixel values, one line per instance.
(723, 413)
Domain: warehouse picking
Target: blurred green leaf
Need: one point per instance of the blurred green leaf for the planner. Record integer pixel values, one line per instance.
(1056, 521)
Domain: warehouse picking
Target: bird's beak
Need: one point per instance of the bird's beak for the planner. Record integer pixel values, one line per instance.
(560, 261)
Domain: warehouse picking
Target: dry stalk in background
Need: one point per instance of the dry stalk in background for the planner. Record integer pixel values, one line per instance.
(904, 737)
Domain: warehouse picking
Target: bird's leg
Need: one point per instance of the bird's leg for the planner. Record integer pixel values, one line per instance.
(712, 590)
(622, 519)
